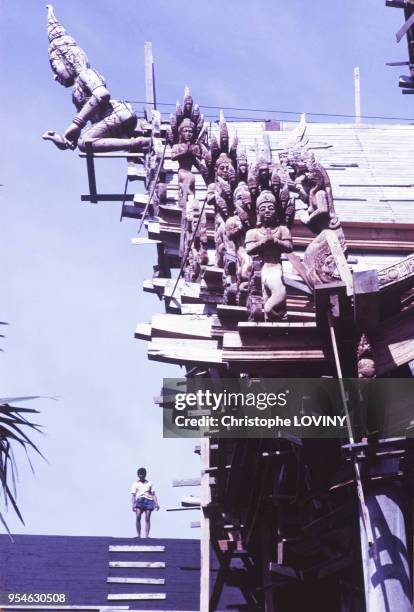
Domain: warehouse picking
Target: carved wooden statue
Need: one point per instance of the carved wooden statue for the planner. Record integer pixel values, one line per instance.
(235, 231)
(184, 136)
(113, 122)
(269, 240)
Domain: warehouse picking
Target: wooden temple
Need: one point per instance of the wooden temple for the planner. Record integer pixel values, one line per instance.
(296, 524)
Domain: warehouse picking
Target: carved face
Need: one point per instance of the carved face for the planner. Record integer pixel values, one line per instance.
(252, 184)
(187, 133)
(243, 201)
(263, 171)
(67, 60)
(188, 105)
(62, 73)
(223, 169)
(243, 168)
(267, 212)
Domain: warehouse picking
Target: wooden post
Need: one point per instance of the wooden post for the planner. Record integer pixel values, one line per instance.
(149, 80)
(205, 527)
(357, 91)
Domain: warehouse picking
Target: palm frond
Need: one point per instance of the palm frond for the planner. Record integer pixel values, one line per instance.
(15, 431)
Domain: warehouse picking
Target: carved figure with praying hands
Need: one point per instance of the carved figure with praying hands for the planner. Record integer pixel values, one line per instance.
(184, 135)
(268, 241)
(113, 122)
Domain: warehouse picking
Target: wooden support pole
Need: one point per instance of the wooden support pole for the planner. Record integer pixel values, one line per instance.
(205, 527)
(357, 93)
(91, 172)
(360, 491)
(149, 80)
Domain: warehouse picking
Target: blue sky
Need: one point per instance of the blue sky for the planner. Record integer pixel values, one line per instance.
(71, 288)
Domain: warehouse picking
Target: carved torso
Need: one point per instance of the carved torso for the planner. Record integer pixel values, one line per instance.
(269, 243)
(85, 84)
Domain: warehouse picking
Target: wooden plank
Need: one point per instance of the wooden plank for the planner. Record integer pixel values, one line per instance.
(304, 340)
(138, 564)
(393, 345)
(181, 326)
(121, 580)
(181, 351)
(143, 240)
(272, 329)
(273, 355)
(143, 331)
(187, 482)
(108, 197)
(135, 596)
(136, 549)
(190, 501)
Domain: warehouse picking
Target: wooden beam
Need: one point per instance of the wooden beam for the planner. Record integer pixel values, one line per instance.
(149, 80)
(357, 95)
(397, 276)
(107, 197)
(366, 300)
(91, 171)
(205, 527)
(326, 294)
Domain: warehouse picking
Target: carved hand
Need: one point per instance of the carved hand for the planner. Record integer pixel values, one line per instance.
(72, 133)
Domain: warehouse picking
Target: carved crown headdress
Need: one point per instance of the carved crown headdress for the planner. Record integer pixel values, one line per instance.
(65, 55)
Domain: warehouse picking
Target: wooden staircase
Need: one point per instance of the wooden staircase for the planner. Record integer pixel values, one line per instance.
(136, 573)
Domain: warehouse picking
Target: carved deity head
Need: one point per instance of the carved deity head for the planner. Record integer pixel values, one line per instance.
(222, 166)
(188, 104)
(66, 58)
(242, 164)
(242, 201)
(262, 167)
(186, 130)
(266, 209)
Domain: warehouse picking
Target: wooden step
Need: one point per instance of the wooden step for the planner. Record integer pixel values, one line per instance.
(135, 548)
(134, 596)
(77, 608)
(121, 580)
(138, 564)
